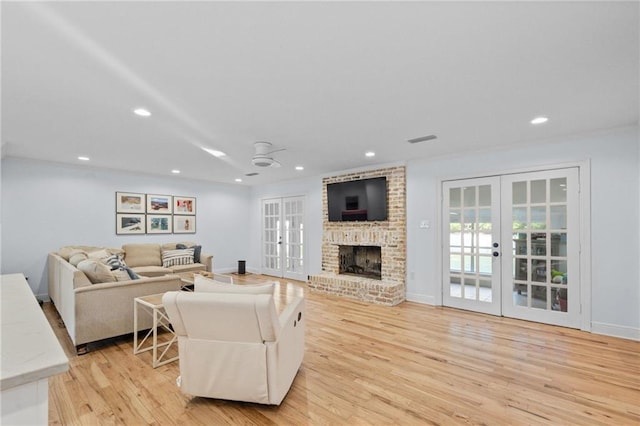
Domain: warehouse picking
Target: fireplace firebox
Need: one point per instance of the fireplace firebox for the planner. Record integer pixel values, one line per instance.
(362, 261)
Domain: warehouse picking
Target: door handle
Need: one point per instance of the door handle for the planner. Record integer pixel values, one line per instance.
(496, 254)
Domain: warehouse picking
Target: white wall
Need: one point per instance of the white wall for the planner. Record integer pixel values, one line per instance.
(615, 212)
(311, 188)
(48, 205)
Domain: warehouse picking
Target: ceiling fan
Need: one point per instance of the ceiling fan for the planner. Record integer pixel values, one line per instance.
(263, 155)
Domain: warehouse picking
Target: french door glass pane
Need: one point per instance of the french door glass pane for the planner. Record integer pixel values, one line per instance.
(540, 263)
(538, 191)
(519, 193)
(484, 195)
(559, 217)
(558, 190)
(470, 243)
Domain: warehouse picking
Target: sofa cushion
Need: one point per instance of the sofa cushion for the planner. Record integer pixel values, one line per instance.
(207, 285)
(177, 257)
(193, 267)
(196, 251)
(142, 255)
(96, 271)
(151, 271)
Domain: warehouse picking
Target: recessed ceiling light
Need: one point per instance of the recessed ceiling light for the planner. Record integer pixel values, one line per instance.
(539, 120)
(238, 180)
(214, 152)
(142, 112)
(175, 171)
(370, 154)
(81, 158)
(299, 168)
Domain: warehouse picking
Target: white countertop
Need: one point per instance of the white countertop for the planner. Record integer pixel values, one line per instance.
(30, 349)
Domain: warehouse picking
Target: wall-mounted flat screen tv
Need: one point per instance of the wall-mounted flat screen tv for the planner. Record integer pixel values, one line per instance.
(358, 200)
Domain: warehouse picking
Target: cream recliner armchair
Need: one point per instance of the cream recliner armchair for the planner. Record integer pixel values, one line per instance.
(235, 346)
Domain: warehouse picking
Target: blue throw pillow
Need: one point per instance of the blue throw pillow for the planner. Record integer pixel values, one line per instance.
(132, 274)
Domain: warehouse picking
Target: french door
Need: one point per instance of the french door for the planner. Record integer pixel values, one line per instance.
(283, 237)
(512, 246)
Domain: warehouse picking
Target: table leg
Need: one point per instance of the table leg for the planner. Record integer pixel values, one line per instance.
(155, 338)
(135, 327)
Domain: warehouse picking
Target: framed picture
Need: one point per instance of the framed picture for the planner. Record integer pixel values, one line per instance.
(129, 223)
(184, 205)
(159, 204)
(159, 224)
(128, 202)
(184, 224)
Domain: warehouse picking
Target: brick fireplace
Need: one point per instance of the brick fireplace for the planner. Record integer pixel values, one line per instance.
(360, 261)
(350, 265)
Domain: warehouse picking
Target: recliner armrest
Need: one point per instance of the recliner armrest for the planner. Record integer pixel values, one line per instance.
(285, 356)
(291, 311)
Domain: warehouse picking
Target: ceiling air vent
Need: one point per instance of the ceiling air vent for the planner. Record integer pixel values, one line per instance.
(422, 139)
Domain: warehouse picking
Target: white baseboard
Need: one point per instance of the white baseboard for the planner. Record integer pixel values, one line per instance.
(616, 330)
(421, 298)
(44, 297)
(225, 270)
(233, 270)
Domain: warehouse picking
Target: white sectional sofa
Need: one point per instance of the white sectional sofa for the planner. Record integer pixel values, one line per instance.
(96, 306)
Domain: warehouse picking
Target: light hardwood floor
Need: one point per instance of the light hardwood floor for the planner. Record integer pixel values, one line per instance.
(368, 364)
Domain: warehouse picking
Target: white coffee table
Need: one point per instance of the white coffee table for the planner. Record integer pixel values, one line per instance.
(152, 304)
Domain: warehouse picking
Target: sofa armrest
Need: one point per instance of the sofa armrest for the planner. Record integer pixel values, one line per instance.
(106, 310)
(139, 282)
(207, 261)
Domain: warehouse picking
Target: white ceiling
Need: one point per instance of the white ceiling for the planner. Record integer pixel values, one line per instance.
(325, 80)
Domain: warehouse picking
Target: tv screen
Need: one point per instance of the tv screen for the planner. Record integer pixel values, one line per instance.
(357, 200)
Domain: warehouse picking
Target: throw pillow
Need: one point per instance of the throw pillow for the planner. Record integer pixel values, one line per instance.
(68, 251)
(177, 257)
(207, 285)
(98, 254)
(96, 271)
(114, 262)
(120, 275)
(131, 274)
(196, 251)
(77, 258)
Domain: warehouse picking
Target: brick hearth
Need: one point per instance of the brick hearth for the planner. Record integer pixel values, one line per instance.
(389, 235)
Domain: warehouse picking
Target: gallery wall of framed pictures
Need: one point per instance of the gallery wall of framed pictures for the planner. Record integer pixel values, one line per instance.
(154, 214)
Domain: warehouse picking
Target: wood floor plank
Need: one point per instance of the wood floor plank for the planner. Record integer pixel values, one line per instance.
(367, 364)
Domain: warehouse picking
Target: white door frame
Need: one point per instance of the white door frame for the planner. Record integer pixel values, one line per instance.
(584, 176)
(282, 272)
(475, 304)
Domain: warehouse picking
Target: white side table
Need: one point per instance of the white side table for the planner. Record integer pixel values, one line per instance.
(152, 304)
